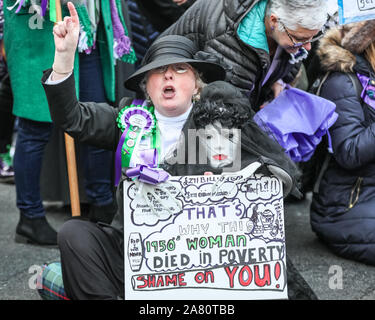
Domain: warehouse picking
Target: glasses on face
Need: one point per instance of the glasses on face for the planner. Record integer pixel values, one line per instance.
(177, 67)
(301, 44)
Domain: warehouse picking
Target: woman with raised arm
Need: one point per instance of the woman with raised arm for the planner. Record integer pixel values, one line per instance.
(92, 253)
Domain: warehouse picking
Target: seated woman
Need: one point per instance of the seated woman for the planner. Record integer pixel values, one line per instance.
(343, 205)
(92, 253)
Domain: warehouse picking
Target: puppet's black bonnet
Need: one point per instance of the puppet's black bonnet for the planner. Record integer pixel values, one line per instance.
(221, 101)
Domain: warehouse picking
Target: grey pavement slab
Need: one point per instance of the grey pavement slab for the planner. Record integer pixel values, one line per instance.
(314, 261)
(319, 266)
(16, 259)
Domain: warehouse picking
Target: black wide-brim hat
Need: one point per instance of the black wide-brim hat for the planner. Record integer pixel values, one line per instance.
(173, 49)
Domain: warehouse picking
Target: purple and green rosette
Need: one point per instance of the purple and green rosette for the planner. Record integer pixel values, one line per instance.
(135, 121)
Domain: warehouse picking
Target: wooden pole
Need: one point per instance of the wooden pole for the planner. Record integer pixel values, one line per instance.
(70, 153)
(72, 175)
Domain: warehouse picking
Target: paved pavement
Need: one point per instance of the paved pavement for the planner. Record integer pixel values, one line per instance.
(318, 266)
(17, 259)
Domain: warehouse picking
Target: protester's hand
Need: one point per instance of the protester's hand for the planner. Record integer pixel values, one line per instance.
(66, 35)
(179, 2)
(66, 32)
(277, 88)
(208, 173)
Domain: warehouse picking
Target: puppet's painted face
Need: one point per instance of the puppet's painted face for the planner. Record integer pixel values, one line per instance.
(221, 144)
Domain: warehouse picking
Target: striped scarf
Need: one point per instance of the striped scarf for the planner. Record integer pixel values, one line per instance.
(89, 16)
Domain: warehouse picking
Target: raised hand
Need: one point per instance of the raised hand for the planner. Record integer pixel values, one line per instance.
(66, 34)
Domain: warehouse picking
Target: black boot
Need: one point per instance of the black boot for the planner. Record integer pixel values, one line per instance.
(37, 231)
(103, 213)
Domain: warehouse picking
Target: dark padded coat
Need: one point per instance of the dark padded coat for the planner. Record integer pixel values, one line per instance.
(343, 210)
(213, 25)
(162, 13)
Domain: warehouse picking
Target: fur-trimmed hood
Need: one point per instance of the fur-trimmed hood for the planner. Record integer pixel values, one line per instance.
(338, 49)
(333, 57)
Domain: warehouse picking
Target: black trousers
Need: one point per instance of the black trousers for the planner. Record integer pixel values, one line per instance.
(6, 116)
(92, 260)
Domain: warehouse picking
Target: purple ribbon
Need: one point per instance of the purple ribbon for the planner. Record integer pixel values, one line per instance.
(44, 7)
(148, 157)
(138, 102)
(19, 6)
(148, 175)
(44, 4)
(118, 157)
(365, 81)
(123, 42)
(146, 170)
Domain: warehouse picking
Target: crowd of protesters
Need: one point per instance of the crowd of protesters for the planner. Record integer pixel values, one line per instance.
(179, 55)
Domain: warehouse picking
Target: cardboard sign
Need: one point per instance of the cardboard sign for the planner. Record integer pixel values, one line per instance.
(206, 237)
(356, 10)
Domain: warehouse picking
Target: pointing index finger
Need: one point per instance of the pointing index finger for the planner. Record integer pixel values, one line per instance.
(73, 13)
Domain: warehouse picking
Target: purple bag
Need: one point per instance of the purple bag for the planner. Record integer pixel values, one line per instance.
(298, 120)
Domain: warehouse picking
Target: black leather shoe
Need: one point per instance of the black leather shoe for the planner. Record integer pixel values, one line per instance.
(37, 231)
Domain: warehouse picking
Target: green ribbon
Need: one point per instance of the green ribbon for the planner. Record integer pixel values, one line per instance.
(52, 11)
(127, 151)
(85, 22)
(156, 141)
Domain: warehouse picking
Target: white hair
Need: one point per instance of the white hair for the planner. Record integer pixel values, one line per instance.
(308, 14)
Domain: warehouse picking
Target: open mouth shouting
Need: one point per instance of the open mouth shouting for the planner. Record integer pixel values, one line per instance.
(169, 92)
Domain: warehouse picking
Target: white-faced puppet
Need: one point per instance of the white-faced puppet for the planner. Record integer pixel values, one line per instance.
(220, 136)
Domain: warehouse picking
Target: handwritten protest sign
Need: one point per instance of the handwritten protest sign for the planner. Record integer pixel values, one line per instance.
(356, 10)
(205, 239)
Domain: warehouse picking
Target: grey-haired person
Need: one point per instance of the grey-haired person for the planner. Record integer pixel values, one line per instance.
(261, 42)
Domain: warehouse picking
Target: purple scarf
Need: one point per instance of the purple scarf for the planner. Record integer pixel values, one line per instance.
(122, 41)
(368, 92)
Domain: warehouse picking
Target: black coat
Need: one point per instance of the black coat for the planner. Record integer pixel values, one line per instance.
(353, 141)
(162, 13)
(212, 25)
(87, 122)
(142, 31)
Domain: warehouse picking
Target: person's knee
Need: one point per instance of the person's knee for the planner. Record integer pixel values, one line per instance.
(71, 234)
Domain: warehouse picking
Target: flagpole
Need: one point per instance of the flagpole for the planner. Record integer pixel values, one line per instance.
(70, 152)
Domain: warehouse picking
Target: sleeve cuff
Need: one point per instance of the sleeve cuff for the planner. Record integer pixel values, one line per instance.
(49, 80)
